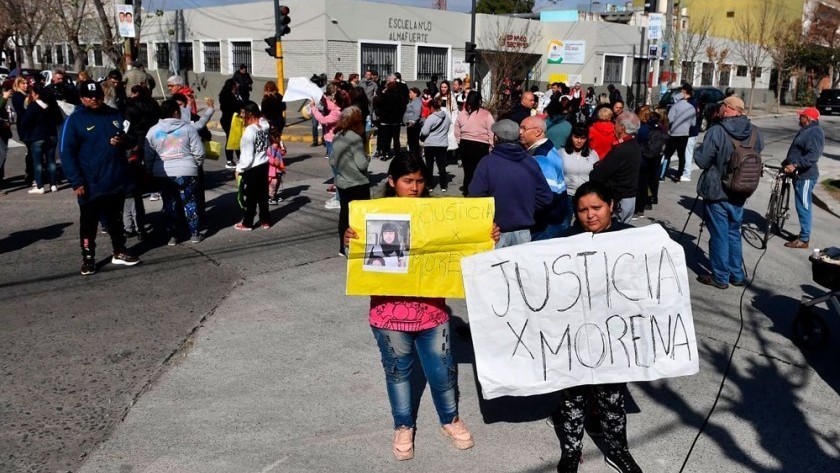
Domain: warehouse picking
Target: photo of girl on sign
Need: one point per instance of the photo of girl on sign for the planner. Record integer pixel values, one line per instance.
(387, 245)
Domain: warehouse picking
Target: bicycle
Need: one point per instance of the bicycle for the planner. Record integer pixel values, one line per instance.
(778, 209)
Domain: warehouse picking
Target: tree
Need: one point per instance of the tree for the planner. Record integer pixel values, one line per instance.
(690, 42)
(824, 30)
(783, 51)
(71, 17)
(504, 7)
(28, 20)
(506, 54)
(755, 31)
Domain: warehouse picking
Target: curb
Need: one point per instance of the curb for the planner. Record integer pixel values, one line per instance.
(298, 137)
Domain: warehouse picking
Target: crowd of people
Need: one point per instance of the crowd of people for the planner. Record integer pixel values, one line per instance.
(557, 163)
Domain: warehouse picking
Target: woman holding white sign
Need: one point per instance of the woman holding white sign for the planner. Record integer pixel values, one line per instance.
(593, 203)
(405, 325)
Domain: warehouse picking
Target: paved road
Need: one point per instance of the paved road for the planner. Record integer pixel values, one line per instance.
(242, 354)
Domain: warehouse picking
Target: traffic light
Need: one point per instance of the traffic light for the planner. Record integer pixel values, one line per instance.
(271, 41)
(470, 53)
(283, 22)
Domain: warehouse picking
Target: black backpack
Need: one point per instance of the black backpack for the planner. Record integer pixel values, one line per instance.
(655, 145)
(743, 170)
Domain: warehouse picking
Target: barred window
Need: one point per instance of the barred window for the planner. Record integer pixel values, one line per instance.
(185, 56)
(432, 61)
(725, 73)
(381, 58)
(241, 54)
(688, 71)
(613, 69)
(741, 71)
(143, 53)
(212, 57)
(59, 54)
(707, 75)
(162, 55)
(97, 54)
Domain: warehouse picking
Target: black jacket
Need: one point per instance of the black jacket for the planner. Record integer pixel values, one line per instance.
(619, 170)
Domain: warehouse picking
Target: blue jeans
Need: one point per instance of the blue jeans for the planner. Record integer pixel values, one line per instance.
(804, 191)
(433, 349)
(43, 150)
(725, 255)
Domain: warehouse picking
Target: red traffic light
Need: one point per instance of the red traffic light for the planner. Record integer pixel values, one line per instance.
(284, 10)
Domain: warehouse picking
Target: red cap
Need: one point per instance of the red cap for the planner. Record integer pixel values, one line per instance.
(811, 113)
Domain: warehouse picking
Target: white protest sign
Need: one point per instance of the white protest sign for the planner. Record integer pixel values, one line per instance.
(301, 88)
(588, 309)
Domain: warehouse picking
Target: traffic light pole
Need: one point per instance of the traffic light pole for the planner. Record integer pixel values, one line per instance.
(279, 54)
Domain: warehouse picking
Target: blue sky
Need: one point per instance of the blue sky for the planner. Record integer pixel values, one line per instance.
(454, 5)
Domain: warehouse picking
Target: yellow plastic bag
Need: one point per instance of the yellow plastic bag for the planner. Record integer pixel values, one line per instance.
(212, 150)
(304, 110)
(237, 126)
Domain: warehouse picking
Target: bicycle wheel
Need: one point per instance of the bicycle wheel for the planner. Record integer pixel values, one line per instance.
(783, 210)
(770, 218)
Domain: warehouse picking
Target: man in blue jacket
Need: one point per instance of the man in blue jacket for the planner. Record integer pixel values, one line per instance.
(802, 157)
(514, 179)
(724, 211)
(93, 155)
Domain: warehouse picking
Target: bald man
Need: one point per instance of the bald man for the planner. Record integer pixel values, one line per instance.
(523, 110)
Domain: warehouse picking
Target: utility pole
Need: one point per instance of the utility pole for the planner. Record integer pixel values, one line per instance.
(676, 47)
(669, 23)
(474, 85)
(127, 44)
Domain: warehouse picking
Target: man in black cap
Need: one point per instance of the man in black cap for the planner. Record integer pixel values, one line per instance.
(93, 155)
(514, 179)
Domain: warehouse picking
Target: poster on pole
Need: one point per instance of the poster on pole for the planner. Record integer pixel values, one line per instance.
(655, 26)
(125, 20)
(588, 309)
(413, 247)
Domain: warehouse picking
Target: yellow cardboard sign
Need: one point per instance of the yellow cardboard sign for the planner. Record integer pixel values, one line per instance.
(413, 247)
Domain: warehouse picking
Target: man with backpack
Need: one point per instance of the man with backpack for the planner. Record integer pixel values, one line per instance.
(730, 157)
(801, 160)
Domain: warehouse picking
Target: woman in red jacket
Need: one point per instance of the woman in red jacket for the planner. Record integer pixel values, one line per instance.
(602, 132)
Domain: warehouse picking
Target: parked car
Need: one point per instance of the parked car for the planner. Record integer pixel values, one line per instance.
(829, 101)
(707, 99)
(36, 74)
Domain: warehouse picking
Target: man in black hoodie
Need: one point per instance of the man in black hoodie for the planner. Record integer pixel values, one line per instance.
(723, 210)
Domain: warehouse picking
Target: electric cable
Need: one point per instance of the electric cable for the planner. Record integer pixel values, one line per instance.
(729, 362)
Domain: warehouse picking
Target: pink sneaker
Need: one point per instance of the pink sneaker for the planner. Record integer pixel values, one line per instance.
(458, 432)
(242, 228)
(403, 445)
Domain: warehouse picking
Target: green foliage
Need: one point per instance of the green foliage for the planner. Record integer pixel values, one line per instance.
(502, 7)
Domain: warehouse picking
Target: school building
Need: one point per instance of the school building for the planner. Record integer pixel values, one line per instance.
(208, 44)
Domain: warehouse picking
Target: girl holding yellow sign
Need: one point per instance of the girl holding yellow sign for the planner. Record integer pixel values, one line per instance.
(404, 325)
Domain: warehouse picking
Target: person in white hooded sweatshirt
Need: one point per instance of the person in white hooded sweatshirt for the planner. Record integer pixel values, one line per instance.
(253, 167)
(173, 153)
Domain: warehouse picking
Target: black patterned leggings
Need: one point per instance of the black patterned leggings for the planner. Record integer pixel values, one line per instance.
(570, 414)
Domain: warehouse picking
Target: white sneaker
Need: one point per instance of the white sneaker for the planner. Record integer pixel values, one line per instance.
(36, 190)
(685, 179)
(53, 189)
(332, 204)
